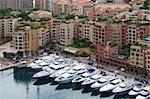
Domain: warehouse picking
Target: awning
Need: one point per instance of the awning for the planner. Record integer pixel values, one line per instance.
(71, 50)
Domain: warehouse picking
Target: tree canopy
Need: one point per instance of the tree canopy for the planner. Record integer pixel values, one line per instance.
(146, 4)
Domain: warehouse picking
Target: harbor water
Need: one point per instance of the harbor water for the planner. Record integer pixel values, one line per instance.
(18, 84)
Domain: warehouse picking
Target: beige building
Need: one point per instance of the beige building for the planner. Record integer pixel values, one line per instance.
(29, 40)
(116, 34)
(19, 40)
(54, 34)
(7, 27)
(66, 34)
(86, 31)
(140, 54)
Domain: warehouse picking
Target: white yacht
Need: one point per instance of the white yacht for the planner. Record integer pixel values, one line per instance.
(94, 78)
(110, 86)
(103, 81)
(33, 65)
(62, 71)
(45, 72)
(50, 58)
(124, 86)
(70, 74)
(38, 64)
(136, 90)
(60, 63)
(145, 93)
(84, 76)
(59, 72)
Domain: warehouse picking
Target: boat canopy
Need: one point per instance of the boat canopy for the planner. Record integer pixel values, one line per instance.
(43, 63)
(39, 61)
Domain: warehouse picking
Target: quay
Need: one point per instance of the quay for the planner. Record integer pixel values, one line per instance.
(19, 65)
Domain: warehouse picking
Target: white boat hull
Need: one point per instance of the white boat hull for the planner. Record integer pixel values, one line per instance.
(121, 90)
(97, 85)
(107, 88)
(133, 93)
(41, 74)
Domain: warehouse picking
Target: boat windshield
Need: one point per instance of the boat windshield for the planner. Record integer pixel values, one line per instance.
(91, 70)
(56, 63)
(123, 85)
(78, 78)
(114, 82)
(83, 76)
(61, 78)
(100, 82)
(136, 90)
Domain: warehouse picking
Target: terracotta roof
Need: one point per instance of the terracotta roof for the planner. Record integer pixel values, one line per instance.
(113, 6)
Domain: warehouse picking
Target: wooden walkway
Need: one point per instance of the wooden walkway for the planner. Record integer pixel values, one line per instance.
(4, 67)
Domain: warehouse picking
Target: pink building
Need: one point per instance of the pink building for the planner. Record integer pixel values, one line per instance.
(101, 33)
(100, 13)
(81, 8)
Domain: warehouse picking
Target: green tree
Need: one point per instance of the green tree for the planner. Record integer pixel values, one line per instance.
(69, 16)
(50, 43)
(146, 4)
(5, 13)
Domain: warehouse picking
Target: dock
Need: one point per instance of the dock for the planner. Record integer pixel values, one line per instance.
(19, 65)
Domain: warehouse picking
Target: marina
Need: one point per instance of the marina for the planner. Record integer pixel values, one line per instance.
(58, 77)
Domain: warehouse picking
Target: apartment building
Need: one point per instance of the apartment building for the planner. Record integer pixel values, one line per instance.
(7, 27)
(44, 4)
(54, 33)
(135, 32)
(43, 37)
(61, 7)
(16, 4)
(85, 31)
(116, 35)
(140, 54)
(101, 33)
(100, 13)
(66, 30)
(19, 40)
(81, 8)
(104, 53)
(30, 40)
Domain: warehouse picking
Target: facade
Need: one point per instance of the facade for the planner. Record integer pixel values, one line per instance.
(81, 8)
(61, 7)
(19, 40)
(30, 40)
(85, 31)
(116, 35)
(101, 33)
(66, 34)
(7, 27)
(16, 4)
(135, 32)
(100, 13)
(44, 4)
(55, 34)
(140, 54)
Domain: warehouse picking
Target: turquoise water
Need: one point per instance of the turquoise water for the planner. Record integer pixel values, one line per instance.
(18, 84)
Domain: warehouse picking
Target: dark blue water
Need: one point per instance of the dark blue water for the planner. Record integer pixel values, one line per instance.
(18, 84)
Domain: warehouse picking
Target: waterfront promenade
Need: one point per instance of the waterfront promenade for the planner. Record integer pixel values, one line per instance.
(4, 67)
